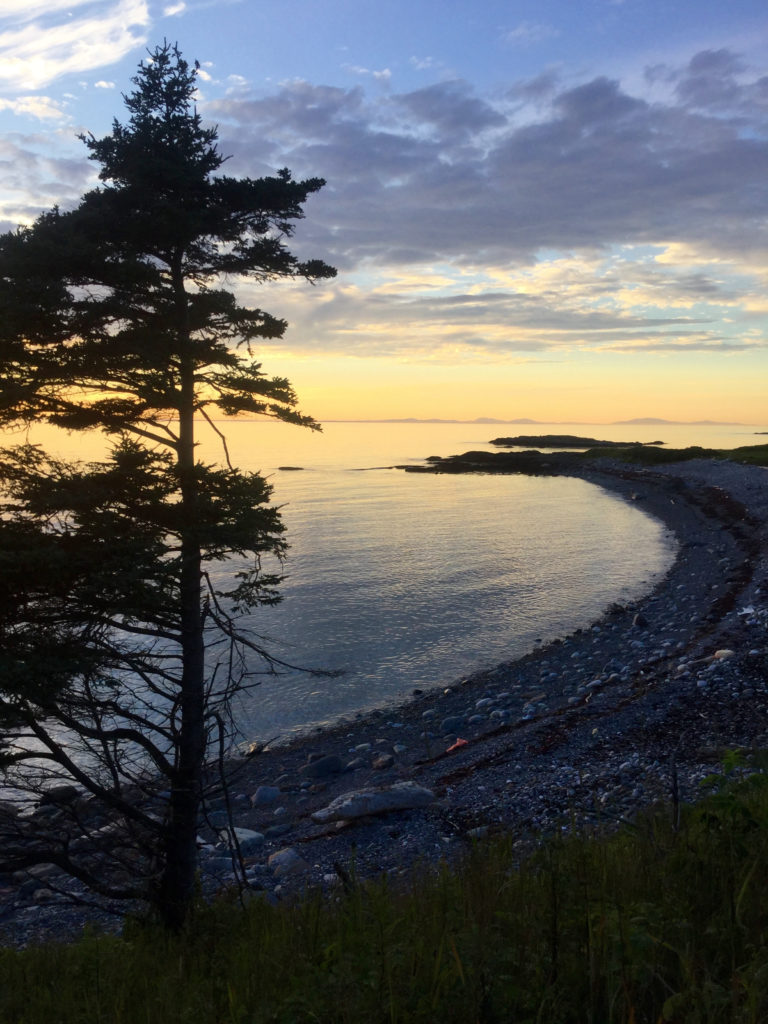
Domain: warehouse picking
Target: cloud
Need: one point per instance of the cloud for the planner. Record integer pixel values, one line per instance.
(31, 10)
(236, 83)
(545, 218)
(599, 102)
(404, 318)
(424, 63)
(36, 176)
(718, 347)
(711, 79)
(580, 214)
(102, 84)
(380, 76)
(528, 33)
(41, 107)
(450, 110)
(419, 173)
(33, 53)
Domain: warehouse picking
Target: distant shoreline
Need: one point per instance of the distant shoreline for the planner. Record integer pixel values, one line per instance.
(490, 421)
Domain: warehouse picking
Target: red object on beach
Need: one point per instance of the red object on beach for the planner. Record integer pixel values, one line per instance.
(457, 745)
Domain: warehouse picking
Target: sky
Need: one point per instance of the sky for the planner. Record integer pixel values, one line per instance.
(554, 210)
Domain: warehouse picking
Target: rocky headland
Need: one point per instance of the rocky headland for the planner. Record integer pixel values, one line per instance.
(583, 731)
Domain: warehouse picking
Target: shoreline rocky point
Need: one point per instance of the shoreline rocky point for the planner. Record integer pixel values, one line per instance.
(583, 731)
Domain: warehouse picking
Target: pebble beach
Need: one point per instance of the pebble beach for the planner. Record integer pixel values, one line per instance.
(582, 732)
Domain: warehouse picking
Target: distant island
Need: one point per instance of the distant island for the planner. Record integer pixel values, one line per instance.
(652, 421)
(565, 441)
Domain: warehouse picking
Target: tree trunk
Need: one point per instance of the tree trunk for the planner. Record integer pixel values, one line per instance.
(177, 882)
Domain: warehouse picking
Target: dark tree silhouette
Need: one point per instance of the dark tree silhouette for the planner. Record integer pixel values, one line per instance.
(119, 656)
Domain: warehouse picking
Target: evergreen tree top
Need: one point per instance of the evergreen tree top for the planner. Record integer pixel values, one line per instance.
(100, 306)
(164, 124)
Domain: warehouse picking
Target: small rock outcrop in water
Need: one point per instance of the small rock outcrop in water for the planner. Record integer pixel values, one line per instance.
(565, 441)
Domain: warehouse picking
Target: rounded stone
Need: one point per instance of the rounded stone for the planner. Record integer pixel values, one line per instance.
(453, 724)
(287, 862)
(265, 796)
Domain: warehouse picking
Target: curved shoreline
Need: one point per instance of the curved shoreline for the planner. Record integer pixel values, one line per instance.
(612, 717)
(582, 730)
(703, 523)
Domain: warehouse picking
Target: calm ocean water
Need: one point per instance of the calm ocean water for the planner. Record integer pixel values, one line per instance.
(398, 580)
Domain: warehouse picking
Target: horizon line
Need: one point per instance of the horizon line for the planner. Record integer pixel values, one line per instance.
(649, 421)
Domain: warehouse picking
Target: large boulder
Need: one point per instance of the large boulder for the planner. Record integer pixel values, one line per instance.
(359, 803)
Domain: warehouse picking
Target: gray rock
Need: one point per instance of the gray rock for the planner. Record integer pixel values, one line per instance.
(362, 802)
(383, 761)
(248, 840)
(218, 866)
(287, 862)
(275, 831)
(27, 890)
(453, 724)
(43, 896)
(265, 796)
(331, 764)
(44, 871)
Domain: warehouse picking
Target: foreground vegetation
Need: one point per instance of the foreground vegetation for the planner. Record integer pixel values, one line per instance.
(663, 921)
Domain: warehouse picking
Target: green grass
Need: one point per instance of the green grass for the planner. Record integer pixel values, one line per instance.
(752, 454)
(649, 924)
